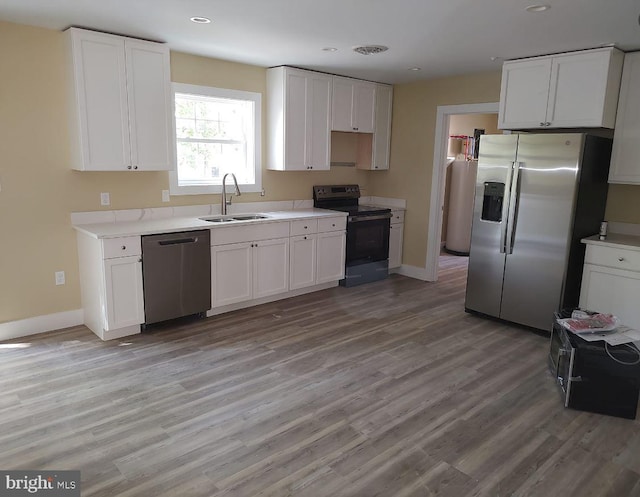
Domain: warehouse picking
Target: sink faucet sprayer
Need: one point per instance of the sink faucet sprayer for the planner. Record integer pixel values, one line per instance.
(225, 202)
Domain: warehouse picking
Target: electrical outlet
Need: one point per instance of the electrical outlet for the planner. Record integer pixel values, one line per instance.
(165, 196)
(262, 193)
(60, 280)
(105, 198)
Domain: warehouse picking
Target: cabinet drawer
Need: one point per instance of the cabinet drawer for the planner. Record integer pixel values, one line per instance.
(613, 257)
(121, 247)
(304, 227)
(397, 217)
(338, 223)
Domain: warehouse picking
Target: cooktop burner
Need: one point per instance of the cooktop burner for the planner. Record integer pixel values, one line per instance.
(344, 198)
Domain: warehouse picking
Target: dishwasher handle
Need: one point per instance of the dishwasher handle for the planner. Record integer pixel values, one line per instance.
(178, 241)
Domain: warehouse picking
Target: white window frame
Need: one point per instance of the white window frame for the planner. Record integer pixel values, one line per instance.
(210, 91)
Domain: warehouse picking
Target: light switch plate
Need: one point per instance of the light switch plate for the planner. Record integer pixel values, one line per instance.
(105, 198)
(60, 279)
(165, 196)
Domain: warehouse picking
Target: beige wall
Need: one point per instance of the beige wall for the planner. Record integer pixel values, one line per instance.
(38, 190)
(412, 141)
(623, 204)
(464, 124)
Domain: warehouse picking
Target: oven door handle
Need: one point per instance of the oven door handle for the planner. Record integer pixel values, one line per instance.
(358, 219)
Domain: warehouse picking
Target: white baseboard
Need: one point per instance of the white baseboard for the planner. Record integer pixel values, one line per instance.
(418, 273)
(40, 324)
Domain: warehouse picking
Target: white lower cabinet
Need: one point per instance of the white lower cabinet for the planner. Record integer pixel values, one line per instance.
(111, 285)
(124, 295)
(611, 283)
(249, 270)
(396, 234)
(317, 258)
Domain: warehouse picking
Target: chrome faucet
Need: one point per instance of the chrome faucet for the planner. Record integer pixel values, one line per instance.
(225, 202)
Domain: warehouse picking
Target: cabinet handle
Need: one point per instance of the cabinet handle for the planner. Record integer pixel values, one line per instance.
(139, 259)
(135, 167)
(355, 129)
(124, 247)
(306, 228)
(128, 167)
(333, 225)
(305, 237)
(542, 124)
(621, 259)
(547, 124)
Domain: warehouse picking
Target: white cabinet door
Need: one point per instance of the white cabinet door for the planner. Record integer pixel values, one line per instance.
(612, 291)
(364, 104)
(124, 303)
(577, 90)
(231, 273)
(625, 159)
(331, 255)
(353, 105)
(270, 267)
(295, 121)
(341, 104)
(395, 245)
(382, 130)
(299, 119)
(318, 137)
(149, 96)
(302, 268)
(524, 93)
(100, 120)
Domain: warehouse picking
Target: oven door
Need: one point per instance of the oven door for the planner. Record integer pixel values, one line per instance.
(368, 239)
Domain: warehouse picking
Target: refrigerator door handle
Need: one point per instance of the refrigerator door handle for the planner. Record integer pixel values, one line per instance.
(514, 195)
(505, 223)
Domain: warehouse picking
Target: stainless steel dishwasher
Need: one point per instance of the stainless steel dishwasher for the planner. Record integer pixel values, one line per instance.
(176, 273)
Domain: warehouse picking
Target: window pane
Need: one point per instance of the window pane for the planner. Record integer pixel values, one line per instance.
(208, 162)
(201, 119)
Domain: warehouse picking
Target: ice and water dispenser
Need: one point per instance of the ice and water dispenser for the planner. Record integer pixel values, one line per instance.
(492, 201)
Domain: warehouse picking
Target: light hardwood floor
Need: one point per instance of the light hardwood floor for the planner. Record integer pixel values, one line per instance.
(387, 389)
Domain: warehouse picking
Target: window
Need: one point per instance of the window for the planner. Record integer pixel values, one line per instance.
(217, 132)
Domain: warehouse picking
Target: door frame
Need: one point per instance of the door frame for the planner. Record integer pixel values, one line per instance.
(436, 202)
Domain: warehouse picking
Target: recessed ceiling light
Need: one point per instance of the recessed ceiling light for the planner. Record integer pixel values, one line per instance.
(538, 8)
(370, 49)
(415, 69)
(330, 49)
(200, 20)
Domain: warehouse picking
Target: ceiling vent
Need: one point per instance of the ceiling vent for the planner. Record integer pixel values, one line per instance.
(370, 49)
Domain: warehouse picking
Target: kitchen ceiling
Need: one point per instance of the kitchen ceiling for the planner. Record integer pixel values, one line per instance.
(441, 37)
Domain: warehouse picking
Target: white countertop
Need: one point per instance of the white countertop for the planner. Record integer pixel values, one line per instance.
(615, 240)
(172, 224)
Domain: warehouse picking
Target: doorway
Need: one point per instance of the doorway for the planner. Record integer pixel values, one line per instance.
(460, 121)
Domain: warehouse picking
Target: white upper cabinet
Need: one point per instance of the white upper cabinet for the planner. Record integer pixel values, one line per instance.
(571, 90)
(625, 159)
(299, 118)
(121, 112)
(353, 106)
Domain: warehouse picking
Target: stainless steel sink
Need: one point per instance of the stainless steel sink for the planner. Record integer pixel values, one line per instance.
(229, 219)
(249, 217)
(218, 219)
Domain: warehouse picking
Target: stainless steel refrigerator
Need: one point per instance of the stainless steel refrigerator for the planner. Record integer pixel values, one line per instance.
(536, 196)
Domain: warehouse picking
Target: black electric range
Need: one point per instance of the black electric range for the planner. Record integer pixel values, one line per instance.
(367, 251)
